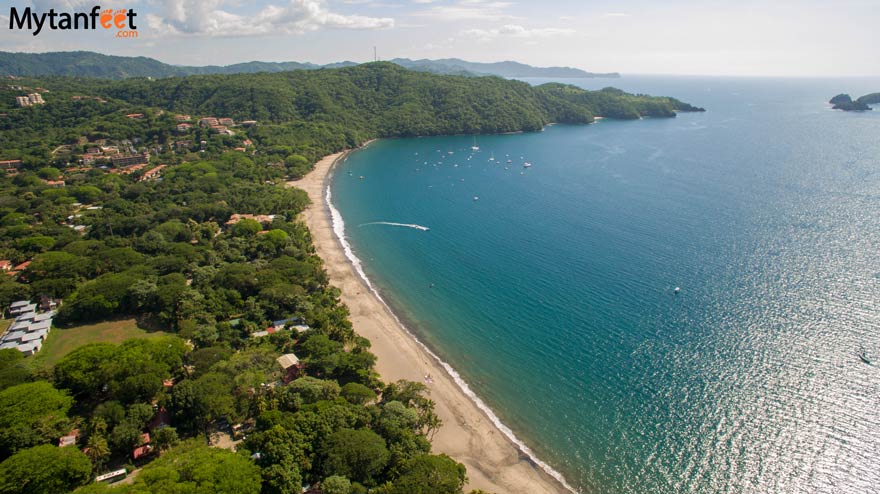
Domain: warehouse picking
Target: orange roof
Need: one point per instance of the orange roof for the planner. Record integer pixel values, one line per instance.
(140, 451)
(23, 266)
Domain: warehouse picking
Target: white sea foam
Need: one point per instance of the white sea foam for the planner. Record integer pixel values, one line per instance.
(390, 223)
(339, 231)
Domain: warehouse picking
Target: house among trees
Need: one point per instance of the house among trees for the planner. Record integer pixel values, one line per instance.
(153, 173)
(144, 449)
(69, 439)
(290, 366)
(130, 160)
(261, 218)
(10, 166)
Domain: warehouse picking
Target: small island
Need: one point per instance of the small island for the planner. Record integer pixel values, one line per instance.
(846, 103)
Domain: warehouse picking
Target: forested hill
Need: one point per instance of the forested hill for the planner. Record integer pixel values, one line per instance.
(502, 69)
(846, 103)
(90, 64)
(381, 100)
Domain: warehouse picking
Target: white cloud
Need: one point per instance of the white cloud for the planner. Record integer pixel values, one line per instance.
(615, 14)
(467, 10)
(213, 18)
(515, 31)
(74, 5)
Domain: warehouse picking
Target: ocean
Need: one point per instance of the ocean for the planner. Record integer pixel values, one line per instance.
(551, 289)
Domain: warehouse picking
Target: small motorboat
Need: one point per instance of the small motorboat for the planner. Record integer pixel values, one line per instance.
(476, 198)
(863, 356)
(677, 290)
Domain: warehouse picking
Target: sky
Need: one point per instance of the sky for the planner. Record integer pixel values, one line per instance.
(705, 37)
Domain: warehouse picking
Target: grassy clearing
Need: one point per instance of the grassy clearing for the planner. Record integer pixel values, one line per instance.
(63, 341)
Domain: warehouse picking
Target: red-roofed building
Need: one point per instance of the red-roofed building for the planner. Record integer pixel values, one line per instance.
(69, 439)
(136, 116)
(128, 170)
(144, 449)
(90, 158)
(183, 118)
(77, 169)
(5, 265)
(141, 451)
(153, 173)
(22, 266)
(184, 127)
(208, 122)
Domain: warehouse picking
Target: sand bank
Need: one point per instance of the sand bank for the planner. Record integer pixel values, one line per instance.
(469, 435)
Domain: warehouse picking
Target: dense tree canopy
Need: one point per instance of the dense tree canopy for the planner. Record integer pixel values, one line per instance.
(44, 469)
(31, 414)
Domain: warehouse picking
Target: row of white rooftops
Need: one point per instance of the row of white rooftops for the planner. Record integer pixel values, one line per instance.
(29, 329)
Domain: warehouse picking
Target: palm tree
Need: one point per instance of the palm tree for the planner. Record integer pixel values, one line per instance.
(97, 450)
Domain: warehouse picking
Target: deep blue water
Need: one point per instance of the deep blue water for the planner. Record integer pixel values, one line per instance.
(553, 293)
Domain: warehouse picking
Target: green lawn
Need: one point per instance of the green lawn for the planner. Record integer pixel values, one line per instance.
(63, 341)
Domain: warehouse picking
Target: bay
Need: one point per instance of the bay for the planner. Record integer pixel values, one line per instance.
(551, 288)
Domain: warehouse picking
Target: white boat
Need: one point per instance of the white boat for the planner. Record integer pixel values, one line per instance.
(492, 158)
(527, 165)
(475, 147)
(476, 198)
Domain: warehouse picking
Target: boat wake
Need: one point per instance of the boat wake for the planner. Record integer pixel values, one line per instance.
(405, 225)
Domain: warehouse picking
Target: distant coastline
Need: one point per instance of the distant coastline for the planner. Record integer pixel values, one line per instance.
(96, 65)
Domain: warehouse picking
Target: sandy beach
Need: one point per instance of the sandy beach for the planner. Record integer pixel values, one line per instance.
(494, 463)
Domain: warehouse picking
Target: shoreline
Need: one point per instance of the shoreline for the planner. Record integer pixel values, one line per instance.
(496, 460)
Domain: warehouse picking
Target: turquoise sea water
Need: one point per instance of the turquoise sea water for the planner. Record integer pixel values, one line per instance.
(553, 293)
